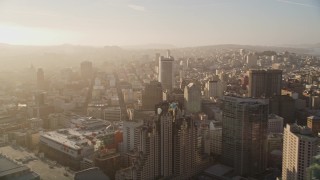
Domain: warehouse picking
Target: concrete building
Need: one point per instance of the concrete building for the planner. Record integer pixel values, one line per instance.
(275, 124)
(96, 110)
(166, 72)
(192, 98)
(151, 95)
(299, 146)
(69, 146)
(313, 122)
(165, 146)
(274, 150)
(274, 82)
(215, 88)
(112, 113)
(66, 146)
(264, 83)
(244, 133)
(9, 169)
(108, 160)
(283, 106)
(129, 135)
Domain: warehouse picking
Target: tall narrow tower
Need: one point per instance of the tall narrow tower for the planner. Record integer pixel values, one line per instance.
(166, 72)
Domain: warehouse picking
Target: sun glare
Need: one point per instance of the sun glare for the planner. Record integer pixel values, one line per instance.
(20, 35)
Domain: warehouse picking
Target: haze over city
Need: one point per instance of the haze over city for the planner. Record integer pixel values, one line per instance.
(169, 22)
(160, 89)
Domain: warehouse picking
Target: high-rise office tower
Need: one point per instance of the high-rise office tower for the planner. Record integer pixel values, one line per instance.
(86, 69)
(151, 95)
(166, 72)
(299, 146)
(274, 82)
(244, 134)
(40, 79)
(192, 98)
(264, 83)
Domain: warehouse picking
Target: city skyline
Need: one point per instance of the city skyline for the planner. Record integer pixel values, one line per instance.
(191, 23)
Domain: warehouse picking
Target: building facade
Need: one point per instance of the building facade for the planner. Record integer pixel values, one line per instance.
(244, 133)
(151, 95)
(166, 72)
(192, 98)
(299, 146)
(264, 83)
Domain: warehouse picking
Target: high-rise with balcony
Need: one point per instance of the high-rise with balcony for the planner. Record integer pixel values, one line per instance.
(165, 146)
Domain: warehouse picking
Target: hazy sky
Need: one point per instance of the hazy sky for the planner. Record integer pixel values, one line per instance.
(177, 22)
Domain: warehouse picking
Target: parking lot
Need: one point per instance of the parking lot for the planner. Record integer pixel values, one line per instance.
(48, 170)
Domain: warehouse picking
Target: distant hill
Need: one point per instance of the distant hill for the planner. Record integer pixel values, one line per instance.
(258, 48)
(151, 46)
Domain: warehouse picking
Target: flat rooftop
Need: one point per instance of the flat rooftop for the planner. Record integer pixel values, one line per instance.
(8, 166)
(218, 170)
(40, 166)
(91, 173)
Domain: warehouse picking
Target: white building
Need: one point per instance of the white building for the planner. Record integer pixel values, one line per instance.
(299, 146)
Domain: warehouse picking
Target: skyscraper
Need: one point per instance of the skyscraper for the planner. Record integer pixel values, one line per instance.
(151, 95)
(299, 146)
(264, 83)
(244, 133)
(192, 98)
(167, 146)
(166, 72)
(274, 82)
